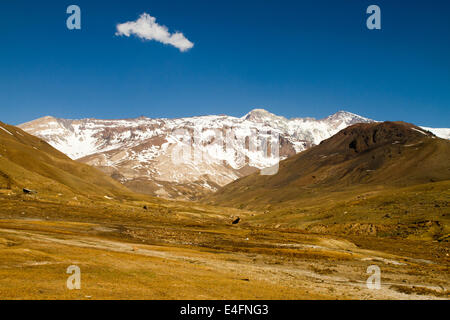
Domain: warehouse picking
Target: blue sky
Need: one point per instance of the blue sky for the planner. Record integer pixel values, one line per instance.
(294, 58)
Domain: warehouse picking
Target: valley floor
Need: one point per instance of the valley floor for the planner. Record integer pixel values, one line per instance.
(193, 252)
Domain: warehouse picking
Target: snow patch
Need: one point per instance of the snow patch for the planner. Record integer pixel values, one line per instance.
(443, 133)
(424, 133)
(6, 130)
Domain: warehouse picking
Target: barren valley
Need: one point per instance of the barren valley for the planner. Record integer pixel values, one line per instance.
(317, 244)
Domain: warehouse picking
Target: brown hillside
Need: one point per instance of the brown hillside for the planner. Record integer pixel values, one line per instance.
(389, 154)
(29, 162)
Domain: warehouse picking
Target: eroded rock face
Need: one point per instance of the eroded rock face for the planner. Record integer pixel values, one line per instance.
(140, 152)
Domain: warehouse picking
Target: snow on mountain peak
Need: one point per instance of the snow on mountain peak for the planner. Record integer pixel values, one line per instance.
(141, 149)
(347, 116)
(261, 115)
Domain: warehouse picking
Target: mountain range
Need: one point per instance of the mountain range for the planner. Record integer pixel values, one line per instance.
(140, 152)
(382, 178)
(388, 154)
(29, 163)
(373, 193)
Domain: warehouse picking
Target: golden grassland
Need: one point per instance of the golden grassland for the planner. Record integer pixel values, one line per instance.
(417, 212)
(191, 251)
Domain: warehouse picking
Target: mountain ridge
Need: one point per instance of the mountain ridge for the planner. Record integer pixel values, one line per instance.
(29, 162)
(387, 154)
(138, 152)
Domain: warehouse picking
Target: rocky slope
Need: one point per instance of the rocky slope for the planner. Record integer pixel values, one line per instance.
(187, 157)
(31, 163)
(365, 156)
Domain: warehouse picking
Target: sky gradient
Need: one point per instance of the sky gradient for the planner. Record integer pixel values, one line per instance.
(293, 58)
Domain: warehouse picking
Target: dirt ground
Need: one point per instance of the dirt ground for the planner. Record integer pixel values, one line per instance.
(194, 252)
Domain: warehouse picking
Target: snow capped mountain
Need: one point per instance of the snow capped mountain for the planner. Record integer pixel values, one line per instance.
(186, 157)
(443, 133)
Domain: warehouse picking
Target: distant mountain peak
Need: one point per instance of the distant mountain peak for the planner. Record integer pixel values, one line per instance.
(261, 115)
(44, 119)
(366, 155)
(259, 111)
(349, 116)
(138, 151)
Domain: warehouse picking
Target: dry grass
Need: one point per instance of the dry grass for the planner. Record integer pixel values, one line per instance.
(127, 252)
(421, 291)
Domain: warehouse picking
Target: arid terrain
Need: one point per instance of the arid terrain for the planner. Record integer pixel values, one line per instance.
(193, 252)
(132, 246)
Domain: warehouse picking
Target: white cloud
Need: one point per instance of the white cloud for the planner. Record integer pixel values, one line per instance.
(146, 28)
